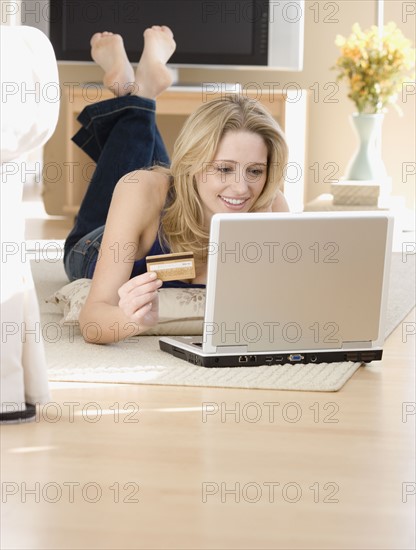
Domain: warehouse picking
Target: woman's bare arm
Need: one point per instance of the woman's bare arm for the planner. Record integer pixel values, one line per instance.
(118, 307)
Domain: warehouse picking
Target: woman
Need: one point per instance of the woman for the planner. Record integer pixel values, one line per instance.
(229, 157)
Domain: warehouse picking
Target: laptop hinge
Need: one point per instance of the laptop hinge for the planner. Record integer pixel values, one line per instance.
(357, 344)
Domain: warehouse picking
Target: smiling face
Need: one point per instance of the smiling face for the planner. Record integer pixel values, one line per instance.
(235, 178)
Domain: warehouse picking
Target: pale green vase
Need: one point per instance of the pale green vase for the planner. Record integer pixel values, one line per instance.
(367, 163)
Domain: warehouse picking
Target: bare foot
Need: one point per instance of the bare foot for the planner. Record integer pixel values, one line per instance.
(107, 49)
(152, 75)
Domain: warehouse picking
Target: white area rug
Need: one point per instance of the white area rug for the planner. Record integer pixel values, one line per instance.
(139, 361)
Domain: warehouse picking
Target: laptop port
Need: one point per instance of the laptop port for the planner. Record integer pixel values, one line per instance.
(268, 359)
(243, 359)
(279, 358)
(313, 358)
(295, 357)
(252, 358)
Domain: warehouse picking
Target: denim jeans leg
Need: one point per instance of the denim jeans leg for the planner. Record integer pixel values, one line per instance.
(80, 261)
(120, 134)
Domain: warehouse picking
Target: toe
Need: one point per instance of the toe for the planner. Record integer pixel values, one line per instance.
(167, 30)
(95, 37)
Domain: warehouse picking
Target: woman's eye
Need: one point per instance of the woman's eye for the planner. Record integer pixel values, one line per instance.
(257, 172)
(225, 169)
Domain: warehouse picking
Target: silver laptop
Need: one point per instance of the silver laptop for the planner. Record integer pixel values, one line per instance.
(292, 288)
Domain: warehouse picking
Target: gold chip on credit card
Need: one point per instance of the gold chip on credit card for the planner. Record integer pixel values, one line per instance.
(170, 267)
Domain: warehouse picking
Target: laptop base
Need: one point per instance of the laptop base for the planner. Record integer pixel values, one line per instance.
(258, 359)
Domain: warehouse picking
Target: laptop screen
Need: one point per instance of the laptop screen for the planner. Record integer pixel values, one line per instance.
(278, 280)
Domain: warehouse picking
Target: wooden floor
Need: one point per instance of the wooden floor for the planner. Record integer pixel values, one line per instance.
(153, 467)
(123, 466)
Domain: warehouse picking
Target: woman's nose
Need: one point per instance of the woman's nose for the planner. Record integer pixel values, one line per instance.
(240, 182)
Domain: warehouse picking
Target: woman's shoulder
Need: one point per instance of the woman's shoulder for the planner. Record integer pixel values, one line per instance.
(145, 180)
(141, 185)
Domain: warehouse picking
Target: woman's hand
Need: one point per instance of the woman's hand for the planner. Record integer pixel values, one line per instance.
(139, 299)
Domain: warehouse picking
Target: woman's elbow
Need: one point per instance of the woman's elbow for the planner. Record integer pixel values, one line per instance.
(91, 330)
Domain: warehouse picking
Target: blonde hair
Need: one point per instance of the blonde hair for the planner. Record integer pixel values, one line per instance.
(182, 225)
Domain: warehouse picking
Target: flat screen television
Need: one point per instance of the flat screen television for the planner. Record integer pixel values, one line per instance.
(208, 33)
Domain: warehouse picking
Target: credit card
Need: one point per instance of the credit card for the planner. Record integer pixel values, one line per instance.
(171, 267)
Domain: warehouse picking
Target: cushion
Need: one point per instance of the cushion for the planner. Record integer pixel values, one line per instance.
(181, 310)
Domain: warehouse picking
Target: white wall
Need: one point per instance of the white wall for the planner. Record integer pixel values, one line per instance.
(10, 12)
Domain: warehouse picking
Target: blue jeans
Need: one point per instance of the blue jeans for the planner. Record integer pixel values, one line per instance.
(120, 135)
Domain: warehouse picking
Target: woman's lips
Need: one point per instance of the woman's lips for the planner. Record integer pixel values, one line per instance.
(232, 203)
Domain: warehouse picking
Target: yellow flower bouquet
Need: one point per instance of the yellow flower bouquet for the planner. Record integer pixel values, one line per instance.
(376, 65)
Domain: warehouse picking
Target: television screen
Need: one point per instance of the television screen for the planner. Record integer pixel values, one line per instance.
(252, 33)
